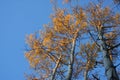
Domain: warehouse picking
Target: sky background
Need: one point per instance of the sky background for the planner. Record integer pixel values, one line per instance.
(17, 19)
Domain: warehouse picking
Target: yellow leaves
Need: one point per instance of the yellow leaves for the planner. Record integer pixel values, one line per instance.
(106, 11)
(81, 16)
(62, 22)
(110, 38)
(36, 61)
(60, 13)
(80, 23)
(57, 38)
(110, 35)
(77, 22)
(30, 39)
(89, 51)
(31, 56)
(83, 25)
(48, 38)
(64, 42)
(37, 51)
(80, 20)
(27, 54)
(35, 56)
(117, 18)
(46, 41)
(58, 24)
(99, 16)
(68, 23)
(55, 20)
(35, 44)
(90, 64)
(67, 17)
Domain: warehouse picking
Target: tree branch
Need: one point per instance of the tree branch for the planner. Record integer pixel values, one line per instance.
(95, 77)
(114, 46)
(55, 69)
(94, 39)
(117, 65)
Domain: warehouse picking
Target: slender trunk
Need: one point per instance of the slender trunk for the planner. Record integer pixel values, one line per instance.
(70, 67)
(110, 70)
(54, 70)
(85, 74)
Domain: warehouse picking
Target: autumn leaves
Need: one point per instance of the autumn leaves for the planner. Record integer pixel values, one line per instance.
(61, 49)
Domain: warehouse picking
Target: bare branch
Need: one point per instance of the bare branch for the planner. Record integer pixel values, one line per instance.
(95, 77)
(115, 46)
(117, 65)
(94, 39)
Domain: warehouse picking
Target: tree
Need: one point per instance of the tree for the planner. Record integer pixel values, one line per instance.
(105, 24)
(76, 42)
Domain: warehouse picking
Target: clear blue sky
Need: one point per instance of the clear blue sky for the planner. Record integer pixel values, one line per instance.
(18, 18)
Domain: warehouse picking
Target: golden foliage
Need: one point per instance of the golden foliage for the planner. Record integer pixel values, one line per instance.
(68, 23)
(117, 19)
(98, 15)
(62, 22)
(89, 52)
(47, 39)
(57, 38)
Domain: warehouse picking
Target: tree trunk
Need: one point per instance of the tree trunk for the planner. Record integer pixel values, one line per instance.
(70, 67)
(85, 74)
(110, 70)
(56, 66)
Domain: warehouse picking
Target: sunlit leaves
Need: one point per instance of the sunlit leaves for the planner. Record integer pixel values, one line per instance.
(62, 22)
(67, 23)
(47, 39)
(66, 26)
(89, 52)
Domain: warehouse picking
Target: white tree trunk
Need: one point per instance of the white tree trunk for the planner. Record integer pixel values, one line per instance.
(110, 70)
(55, 69)
(85, 74)
(70, 67)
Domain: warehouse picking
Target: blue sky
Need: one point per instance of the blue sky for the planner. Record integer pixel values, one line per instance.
(17, 19)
